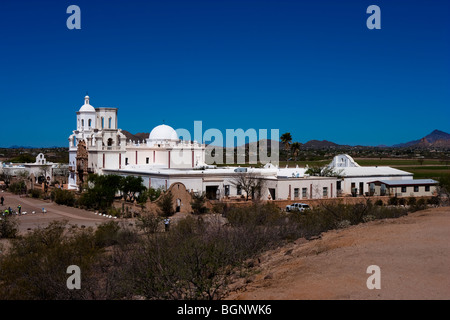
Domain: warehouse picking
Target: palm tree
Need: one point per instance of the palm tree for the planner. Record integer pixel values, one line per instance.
(286, 139)
(295, 148)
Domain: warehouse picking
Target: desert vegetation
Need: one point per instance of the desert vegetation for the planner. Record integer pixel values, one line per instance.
(198, 258)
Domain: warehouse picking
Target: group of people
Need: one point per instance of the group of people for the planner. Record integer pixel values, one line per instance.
(9, 211)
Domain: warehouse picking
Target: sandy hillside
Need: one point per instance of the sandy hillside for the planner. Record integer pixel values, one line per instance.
(413, 253)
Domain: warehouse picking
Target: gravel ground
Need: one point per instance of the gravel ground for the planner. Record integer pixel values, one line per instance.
(413, 253)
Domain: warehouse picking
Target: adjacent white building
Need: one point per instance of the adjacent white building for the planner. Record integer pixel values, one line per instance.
(354, 178)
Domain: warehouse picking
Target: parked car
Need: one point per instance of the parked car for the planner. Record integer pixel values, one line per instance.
(297, 207)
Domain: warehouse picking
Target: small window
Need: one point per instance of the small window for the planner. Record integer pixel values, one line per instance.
(296, 192)
(416, 188)
(403, 189)
(89, 122)
(82, 123)
(227, 190)
(427, 188)
(109, 123)
(239, 190)
(304, 190)
(325, 191)
(126, 161)
(147, 160)
(103, 122)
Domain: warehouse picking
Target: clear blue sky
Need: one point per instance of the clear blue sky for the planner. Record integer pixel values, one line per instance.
(311, 68)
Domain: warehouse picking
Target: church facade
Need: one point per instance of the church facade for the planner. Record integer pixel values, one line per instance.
(98, 145)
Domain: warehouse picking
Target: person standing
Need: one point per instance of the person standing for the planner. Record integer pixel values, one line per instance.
(19, 207)
(167, 223)
(2, 200)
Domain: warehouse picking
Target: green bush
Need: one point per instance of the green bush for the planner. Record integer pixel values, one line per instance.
(35, 193)
(63, 197)
(17, 187)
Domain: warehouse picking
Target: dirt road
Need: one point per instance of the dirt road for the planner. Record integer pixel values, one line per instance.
(413, 253)
(32, 220)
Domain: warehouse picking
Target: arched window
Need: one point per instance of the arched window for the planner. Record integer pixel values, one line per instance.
(82, 123)
(103, 122)
(109, 122)
(90, 122)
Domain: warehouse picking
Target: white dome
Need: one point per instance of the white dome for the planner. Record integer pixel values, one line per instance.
(87, 107)
(163, 132)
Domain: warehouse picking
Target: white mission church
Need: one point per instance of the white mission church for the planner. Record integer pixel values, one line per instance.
(99, 146)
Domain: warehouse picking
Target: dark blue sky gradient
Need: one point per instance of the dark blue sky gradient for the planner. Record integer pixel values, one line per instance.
(311, 68)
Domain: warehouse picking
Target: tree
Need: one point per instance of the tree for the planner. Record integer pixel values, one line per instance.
(323, 171)
(250, 183)
(295, 148)
(100, 191)
(130, 186)
(7, 176)
(166, 204)
(198, 203)
(286, 139)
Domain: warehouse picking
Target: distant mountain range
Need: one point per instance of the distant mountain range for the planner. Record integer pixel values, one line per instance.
(436, 139)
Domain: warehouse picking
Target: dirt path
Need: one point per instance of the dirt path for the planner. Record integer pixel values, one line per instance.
(413, 253)
(54, 212)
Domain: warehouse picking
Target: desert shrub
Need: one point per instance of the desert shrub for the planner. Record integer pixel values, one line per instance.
(35, 193)
(412, 201)
(107, 234)
(193, 261)
(419, 204)
(368, 218)
(36, 264)
(343, 224)
(149, 223)
(220, 208)
(17, 187)
(63, 197)
(434, 201)
(112, 211)
(8, 227)
(379, 202)
(393, 201)
(255, 215)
